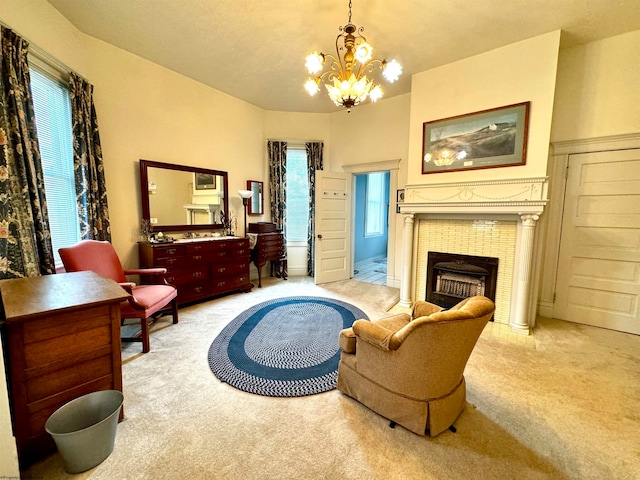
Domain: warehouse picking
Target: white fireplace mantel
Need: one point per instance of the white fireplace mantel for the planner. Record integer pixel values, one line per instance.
(515, 196)
(520, 198)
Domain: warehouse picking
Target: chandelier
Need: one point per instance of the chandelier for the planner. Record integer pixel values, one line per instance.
(346, 80)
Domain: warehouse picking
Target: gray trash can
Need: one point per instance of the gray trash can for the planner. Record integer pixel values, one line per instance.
(85, 429)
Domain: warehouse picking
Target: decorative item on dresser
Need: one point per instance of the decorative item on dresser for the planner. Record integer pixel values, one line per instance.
(269, 246)
(61, 339)
(201, 267)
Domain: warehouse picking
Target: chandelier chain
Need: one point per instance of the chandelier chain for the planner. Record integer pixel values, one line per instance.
(349, 11)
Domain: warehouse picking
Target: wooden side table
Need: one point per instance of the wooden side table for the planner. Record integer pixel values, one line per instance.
(269, 247)
(61, 337)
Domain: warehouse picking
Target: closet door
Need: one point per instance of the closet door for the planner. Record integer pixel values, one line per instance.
(598, 280)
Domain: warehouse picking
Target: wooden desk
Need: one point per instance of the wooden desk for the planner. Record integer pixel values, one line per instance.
(61, 337)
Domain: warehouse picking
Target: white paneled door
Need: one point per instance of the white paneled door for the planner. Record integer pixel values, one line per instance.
(598, 280)
(333, 227)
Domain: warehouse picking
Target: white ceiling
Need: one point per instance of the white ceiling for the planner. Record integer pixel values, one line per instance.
(255, 49)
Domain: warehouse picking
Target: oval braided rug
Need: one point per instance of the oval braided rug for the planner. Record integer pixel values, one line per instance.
(286, 347)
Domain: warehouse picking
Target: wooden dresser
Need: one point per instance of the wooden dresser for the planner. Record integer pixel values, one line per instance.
(61, 337)
(201, 268)
(269, 247)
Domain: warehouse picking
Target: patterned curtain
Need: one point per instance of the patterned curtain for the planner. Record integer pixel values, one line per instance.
(25, 238)
(91, 190)
(314, 162)
(277, 183)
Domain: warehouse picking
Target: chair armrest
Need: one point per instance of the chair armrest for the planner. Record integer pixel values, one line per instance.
(146, 271)
(347, 340)
(128, 286)
(424, 309)
(373, 334)
(378, 334)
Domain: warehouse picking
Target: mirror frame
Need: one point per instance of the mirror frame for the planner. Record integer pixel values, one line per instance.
(250, 210)
(144, 193)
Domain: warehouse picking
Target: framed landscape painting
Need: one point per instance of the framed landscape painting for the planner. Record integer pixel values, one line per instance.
(485, 139)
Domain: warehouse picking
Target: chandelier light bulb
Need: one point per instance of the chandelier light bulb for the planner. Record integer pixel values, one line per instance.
(392, 71)
(311, 86)
(376, 93)
(315, 61)
(364, 52)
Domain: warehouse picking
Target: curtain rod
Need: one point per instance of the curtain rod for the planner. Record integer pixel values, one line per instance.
(294, 143)
(43, 56)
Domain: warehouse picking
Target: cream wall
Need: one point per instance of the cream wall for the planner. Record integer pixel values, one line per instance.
(597, 96)
(371, 133)
(597, 92)
(520, 72)
(147, 111)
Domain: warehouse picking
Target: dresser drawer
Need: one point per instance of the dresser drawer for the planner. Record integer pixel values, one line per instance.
(194, 291)
(225, 284)
(168, 251)
(170, 262)
(230, 268)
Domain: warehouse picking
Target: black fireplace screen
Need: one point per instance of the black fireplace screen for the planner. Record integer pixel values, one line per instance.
(452, 277)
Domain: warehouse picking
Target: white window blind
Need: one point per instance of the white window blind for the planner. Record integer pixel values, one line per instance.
(297, 195)
(53, 122)
(374, 217)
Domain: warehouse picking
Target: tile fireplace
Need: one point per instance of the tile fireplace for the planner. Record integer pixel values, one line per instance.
(489, 219)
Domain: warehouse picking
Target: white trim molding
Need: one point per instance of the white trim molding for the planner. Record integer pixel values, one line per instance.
(517, 196)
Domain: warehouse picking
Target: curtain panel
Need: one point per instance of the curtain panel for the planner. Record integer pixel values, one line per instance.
(314, 162)
(91, 190)
(25, 238)
(277, 183)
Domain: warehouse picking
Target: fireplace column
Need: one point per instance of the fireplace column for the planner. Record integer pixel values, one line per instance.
(407, 261)
(520, 318)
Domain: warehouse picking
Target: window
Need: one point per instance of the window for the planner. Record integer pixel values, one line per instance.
(297, 195)
(375, 211)
(53, 121)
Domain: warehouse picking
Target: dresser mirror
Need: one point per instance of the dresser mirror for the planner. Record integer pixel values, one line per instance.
(178, 198)
(256, 202)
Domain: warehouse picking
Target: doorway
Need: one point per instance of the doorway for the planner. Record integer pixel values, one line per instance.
(371, 227)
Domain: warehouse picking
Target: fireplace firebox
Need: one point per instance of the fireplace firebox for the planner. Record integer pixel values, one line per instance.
(452, 277)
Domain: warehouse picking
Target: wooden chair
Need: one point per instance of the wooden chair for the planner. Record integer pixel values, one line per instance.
(147, 302)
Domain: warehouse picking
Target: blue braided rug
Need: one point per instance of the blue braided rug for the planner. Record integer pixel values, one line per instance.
(286, 347)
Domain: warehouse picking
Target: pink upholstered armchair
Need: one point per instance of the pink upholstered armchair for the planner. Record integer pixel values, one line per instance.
(409, 369)
(147, 302)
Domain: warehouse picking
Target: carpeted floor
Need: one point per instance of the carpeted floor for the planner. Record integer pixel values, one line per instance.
(563, 405)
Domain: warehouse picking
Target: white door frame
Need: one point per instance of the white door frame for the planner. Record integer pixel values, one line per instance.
(392, 166)
(557, 185)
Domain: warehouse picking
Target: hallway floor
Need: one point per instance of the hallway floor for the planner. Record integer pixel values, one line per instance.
(372, 270)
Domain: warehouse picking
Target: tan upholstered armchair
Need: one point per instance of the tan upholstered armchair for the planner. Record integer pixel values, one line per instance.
(409, 369)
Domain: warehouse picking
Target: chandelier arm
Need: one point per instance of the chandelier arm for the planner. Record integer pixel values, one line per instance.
(329, 74)
(369, 65)
(337, 60)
